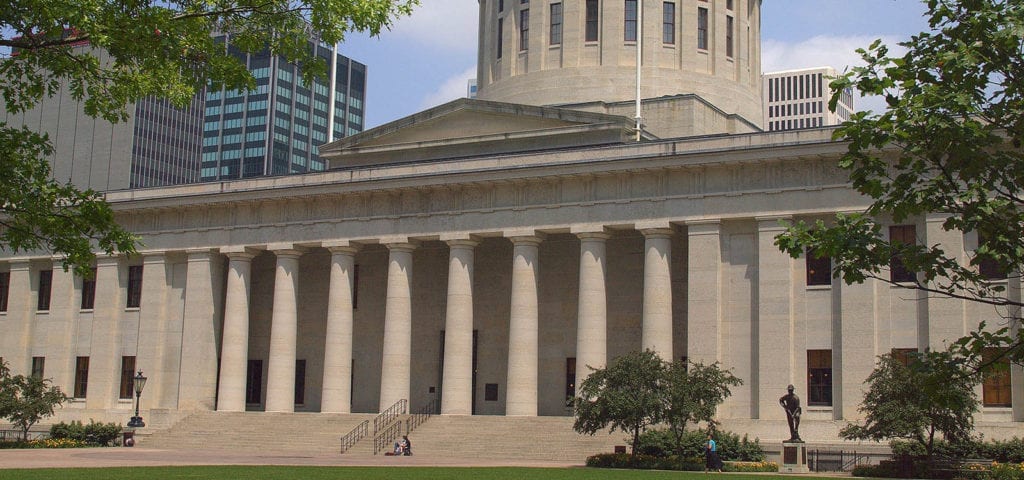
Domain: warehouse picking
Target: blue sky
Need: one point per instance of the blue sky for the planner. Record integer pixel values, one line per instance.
(426, 59)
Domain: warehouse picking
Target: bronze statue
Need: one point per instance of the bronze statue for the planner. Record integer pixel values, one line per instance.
(791, 404)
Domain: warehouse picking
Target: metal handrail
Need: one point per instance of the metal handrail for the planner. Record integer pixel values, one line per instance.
(355, 435)
(383, 419)
(417, 419)
(386, 437)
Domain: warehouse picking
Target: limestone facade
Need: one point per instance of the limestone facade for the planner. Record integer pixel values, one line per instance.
(486, 283)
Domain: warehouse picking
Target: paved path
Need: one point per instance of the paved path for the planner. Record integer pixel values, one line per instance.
(140, 456)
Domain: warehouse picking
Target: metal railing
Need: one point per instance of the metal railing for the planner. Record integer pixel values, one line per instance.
(355, 435)
(835, 460)
(383, 419)
(385, 438)
(18, 435)
(417, 419)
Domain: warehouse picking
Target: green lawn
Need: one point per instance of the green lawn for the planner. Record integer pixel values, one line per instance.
(361, 473)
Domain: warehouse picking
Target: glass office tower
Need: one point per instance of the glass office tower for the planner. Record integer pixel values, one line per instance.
(277, 128)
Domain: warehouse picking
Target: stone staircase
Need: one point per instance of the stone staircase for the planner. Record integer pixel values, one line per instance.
(309, 433)
(488, 437)
(498, 437)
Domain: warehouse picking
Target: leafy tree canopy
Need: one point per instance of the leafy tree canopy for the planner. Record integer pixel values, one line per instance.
(693, 392)
(932, 393)
(626, 395)
(25, 400)
(948, 144)
(109, 54)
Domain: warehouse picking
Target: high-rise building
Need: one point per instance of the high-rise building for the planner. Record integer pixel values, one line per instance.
(272, 130)
(796, 99)
(277, 128)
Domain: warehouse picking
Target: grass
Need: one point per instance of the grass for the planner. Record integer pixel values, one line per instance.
(360, 473)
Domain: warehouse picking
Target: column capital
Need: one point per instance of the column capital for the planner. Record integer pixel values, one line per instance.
(401, 246)
(343, 250)
(532, 240)
(772, 222)
(657, 232)
(462, 243)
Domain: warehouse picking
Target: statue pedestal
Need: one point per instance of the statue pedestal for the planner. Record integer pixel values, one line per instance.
(794, 458)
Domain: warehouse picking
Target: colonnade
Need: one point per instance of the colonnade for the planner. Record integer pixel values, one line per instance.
(522, 379)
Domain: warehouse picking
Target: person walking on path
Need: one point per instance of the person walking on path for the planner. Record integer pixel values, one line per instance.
(711, 459)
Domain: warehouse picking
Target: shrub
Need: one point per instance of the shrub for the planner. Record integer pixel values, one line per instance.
(883, 470)
(750, 467)
(645, 462)
(95, 433)
(661, 443)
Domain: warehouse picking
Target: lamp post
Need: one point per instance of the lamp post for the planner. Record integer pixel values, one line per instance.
(140, 383)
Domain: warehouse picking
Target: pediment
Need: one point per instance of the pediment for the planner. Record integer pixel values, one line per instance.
(470, 127)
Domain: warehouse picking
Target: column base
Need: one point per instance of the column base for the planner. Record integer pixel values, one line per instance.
(794, 458)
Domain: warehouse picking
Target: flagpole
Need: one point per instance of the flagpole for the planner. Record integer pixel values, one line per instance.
(639, 58)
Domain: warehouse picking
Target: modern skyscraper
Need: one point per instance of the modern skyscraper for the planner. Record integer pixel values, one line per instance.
(277, 128)
(799, 99)
(272, 130)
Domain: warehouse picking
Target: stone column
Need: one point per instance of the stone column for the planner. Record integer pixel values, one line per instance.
(153, 325)
(521, 389)
(21, 310)
(234, 356)
(105, 346)
(457, 378)
(202, 317)
(337, 388)
(704, 292)
(397, 356)
(283, 332)
(774, 326)
(592, 320)
(944, 319)
(656, 333)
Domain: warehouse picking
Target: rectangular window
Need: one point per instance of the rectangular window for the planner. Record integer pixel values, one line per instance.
(134, 286)
(524, 29)
(127, 377)
(906, 235)
(629, 27)
(728, 4)
(43, 295)
(300, 382)
(81, 376)
(5, 289)
(668, 23)
(904, 355)
(254, 382)
(996, 387)
(89, 291)
(592, 21)
(555, 37)
(819, 377)
(501, 5)
(702, 28)
(38, 367)
(570, 379)
(819, 269)
(501, 25)
(728, 36)
(490, 392)
(988, 267)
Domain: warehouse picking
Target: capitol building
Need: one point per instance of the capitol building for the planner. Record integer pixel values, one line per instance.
(485, 254)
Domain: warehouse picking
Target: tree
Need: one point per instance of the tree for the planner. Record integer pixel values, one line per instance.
(948, 142)
(163, 49)
(693, 392)
(628, 395)
(26, 400)
(933, 393)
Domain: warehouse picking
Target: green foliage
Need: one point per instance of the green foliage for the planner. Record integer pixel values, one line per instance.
(933, 394)
(639, 389)
(645, 462)
(109, 54)
(1003, 451)
(95, 433)
(693, 392)
(883, 470)
(627, 395)
(26, 400)
(731, 447)
(949, 143)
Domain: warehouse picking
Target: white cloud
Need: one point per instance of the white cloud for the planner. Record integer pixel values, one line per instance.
(446, 24)
(452, 88)
(838, 52)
